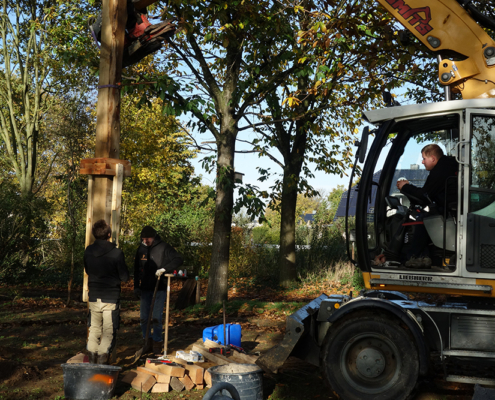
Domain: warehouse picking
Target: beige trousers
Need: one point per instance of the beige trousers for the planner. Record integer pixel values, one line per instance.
(103, 322)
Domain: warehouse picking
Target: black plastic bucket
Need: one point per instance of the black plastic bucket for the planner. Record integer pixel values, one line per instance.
(246, 378)
(84, 381)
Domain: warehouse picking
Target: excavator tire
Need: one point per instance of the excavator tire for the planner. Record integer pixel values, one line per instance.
(369, 356)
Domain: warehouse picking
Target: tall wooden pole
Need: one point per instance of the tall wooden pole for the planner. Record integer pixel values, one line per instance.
(108, 112)
(114, 16)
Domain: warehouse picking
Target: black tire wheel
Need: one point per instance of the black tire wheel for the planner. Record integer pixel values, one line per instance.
(369, 356)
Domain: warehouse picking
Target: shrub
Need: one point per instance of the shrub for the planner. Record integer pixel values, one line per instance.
(22, 228)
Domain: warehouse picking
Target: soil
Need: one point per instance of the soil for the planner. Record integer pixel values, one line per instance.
(38, 333)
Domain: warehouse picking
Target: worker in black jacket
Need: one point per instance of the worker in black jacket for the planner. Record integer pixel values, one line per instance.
(436, 188)
(153, 258)
(105, 265)
(440, 188)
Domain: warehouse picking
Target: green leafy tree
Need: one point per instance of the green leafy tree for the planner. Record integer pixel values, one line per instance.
(33, 75)
(217, 69)
(347, 56)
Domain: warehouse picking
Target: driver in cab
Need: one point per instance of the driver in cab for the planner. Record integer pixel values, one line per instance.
(435, 191)
(441, 167)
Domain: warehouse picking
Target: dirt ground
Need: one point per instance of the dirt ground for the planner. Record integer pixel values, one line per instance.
(38, 334)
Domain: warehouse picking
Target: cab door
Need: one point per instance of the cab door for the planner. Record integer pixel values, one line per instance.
(477, 220)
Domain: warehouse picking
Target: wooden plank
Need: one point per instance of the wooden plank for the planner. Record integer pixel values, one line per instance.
(116, 202)
(89, 226)
(234, 355)
(78, 358)
(176, 385)
(160, 378)
(216, 358)
(201, 387)
(210, 344)
(208, 378)
(194, 371)
(171, 370)
(161, 388)
(242, 358)
(139, 380)
(187, 382)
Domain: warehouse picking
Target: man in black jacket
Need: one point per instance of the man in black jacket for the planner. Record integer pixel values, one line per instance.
(441, 168)
(440, 188)
(105, 265)
(153, 258)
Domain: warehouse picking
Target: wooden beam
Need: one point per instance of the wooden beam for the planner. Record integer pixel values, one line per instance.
(89, 226)
(114, 16)
(139, 380)
(116, 203)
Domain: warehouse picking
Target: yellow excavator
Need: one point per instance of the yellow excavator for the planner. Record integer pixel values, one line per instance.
(377, 344)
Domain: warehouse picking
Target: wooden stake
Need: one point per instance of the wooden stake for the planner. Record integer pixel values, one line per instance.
(116, 203)
(165, 342)
(89, 225)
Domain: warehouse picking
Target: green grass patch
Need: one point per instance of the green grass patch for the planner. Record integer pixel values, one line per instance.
(245, 306)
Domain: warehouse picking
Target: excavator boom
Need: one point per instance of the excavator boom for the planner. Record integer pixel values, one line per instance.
(467, 52)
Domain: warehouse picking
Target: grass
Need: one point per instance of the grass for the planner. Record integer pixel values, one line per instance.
(245, 306)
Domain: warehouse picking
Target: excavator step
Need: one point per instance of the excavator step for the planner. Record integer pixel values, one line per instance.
(470, 379)
(469, 353)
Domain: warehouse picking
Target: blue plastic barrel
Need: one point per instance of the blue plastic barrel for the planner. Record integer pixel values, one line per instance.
(233, 333)
(246, 378)
(84, 381)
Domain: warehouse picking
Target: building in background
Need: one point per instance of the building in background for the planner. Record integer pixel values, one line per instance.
(414, 175)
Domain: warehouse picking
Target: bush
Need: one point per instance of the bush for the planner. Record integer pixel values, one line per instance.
(22, 228)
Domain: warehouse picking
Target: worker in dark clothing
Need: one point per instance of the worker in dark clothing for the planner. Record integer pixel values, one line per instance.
(439, 189)
(105, 265)
(441, 168)
(154, 257)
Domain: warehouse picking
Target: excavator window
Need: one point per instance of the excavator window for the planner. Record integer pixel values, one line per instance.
(482, 185)
(480, 221)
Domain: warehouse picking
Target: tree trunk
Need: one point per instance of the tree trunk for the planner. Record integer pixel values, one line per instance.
(287, 260)
(292, 173)
(218, 274)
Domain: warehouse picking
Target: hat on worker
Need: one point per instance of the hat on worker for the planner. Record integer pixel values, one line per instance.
(148, 232)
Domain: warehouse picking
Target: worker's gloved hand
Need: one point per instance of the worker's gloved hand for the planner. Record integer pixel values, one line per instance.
(137, 293)
(160, 272)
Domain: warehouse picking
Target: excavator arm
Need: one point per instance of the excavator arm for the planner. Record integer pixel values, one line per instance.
(467, 52)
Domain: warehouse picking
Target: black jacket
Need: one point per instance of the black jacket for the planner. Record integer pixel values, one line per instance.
(150, 259)
(106, 269)
(434, 188)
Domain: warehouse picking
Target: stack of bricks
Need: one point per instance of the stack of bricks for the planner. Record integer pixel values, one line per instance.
(159, 377)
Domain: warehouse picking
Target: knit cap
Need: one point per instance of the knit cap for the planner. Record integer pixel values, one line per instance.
(148, 232)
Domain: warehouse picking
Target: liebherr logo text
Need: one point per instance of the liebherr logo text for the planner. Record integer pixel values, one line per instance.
(416, 278)
(414, 13)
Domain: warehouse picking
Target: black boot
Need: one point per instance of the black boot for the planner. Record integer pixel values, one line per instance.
(93, 357)
(103, 358)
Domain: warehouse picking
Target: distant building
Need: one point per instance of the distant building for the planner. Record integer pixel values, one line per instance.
(308, 219)
(415, 176)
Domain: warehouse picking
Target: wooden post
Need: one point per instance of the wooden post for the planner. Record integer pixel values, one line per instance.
(167, 307)
(114, 15)
(116, 202)
(89, 224)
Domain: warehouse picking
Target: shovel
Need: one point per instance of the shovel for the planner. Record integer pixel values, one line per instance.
(140, 352)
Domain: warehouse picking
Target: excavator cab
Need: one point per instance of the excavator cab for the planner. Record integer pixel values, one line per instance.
(459, 235)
